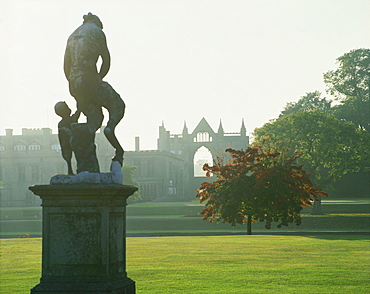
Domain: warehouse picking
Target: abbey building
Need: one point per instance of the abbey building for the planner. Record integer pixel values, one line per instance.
(170, 173)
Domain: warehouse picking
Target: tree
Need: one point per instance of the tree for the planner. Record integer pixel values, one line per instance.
(257, 185)
(309, 102)
(330, 147)
(350, 84)
(128, 172)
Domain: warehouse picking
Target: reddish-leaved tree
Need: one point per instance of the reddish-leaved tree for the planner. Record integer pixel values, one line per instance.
(257, 184)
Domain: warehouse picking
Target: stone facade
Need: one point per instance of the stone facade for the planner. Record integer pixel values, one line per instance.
(186, 145)
(34, 156)
(160, 174)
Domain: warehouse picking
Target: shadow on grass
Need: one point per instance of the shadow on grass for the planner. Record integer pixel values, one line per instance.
(347, 236)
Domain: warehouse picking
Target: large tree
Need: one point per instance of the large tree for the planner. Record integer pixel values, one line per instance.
(330, 147)
(309, 102)
(350, 84)
(325, 168)
(257, 184)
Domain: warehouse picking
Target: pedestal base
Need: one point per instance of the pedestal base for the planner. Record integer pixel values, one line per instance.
(84, 239)
(126, 286)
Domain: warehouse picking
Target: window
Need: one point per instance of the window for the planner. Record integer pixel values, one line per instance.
(172, 190)
(180, 178)
(203, 137)
(2, 148)
(56, 147)
(35, 173)
(20, 148)
(153, 191)
(149, 191)
(150, 167)
(21, 145)
(34, 147)
(137, 163)
(22, 173)
(170, 168)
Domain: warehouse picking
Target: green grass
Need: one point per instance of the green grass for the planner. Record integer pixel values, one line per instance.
(223, 264)
(20, 264)
(341, 215)
(191, 208)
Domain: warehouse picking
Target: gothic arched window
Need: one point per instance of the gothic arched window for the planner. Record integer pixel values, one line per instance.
(203, 137)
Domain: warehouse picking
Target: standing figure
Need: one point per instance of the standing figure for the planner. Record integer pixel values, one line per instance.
(85, 45)
(64, 131)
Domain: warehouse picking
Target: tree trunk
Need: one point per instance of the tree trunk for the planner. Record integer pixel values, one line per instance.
(249, 225)
(316, 209)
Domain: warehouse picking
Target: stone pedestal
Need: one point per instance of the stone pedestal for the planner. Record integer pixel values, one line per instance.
(84, 239)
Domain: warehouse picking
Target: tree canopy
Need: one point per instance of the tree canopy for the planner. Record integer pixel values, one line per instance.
(257, 184)
(330, 147)
(309, 102)
(350, 84)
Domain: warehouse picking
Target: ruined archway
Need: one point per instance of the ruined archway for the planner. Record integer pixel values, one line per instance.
(201, 156)
(191, 146)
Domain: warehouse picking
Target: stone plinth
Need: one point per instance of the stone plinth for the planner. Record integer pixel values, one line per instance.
(84, 239)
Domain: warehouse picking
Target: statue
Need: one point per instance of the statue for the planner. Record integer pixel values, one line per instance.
(85, 45)
(65, 132)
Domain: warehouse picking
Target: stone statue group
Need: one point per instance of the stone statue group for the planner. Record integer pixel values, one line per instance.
(84, 46)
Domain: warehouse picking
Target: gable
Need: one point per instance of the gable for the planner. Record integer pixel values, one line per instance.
(203, 127)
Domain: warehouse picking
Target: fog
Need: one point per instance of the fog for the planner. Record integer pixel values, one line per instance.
(177, 61)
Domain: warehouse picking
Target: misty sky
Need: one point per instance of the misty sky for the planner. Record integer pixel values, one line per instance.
(178, 60)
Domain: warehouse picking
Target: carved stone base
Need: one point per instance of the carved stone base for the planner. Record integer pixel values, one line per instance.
(84, 239)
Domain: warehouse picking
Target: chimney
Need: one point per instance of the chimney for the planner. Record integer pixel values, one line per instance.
(9, 132)
(46, 131)
(137, 143)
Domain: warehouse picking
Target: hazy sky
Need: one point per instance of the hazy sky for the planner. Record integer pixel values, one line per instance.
(178, 60)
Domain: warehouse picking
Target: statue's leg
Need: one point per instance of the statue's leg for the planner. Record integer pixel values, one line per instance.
(84, 148)
(94, 116)
(87, 92)
(83, 134)
(67, 156)
(116, 108)
(69, 164)
(83, 139)
(114, 119)
(65, 135)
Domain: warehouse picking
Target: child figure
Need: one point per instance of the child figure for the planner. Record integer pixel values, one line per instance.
(64, 130)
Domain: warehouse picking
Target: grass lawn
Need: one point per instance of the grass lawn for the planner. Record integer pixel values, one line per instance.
(341, 215)
(219, 264)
